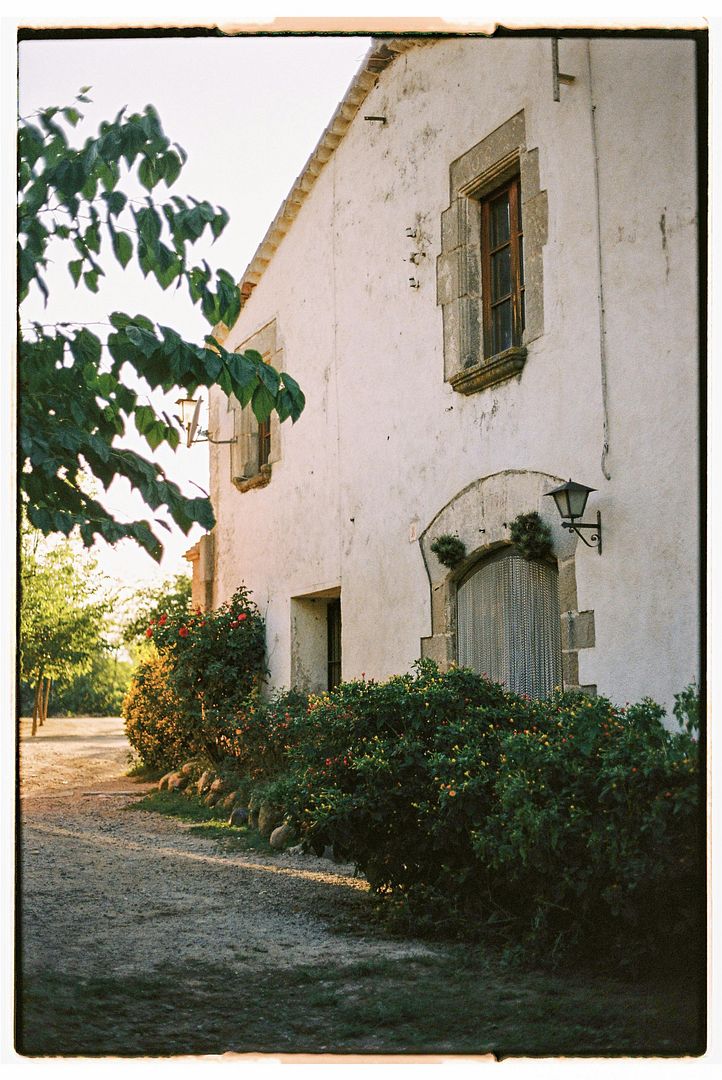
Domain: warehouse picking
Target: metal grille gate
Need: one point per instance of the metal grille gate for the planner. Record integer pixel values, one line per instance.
(507, 624)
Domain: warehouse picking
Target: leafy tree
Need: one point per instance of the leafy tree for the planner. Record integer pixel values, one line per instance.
(61, 618)
(172, 598)
(99, 691)
(75, 397)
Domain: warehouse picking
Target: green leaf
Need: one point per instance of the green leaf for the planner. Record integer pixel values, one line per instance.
(270, 378)
(224, 381)
(219, 223)
(90, 277)
(298, 400)
(149, 173)
(115, 201)
(212, 364)
(171, 168)
(145, 418)
(72, 115)
(123, 248)
(262, 403)
(86, 347)
(92, 239)
(155, 435)
(145, 341)
(120, 320)
(76, 268)
(34, 197)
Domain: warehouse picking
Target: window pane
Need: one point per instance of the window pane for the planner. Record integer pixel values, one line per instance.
(502, 327)
(508, 624)
(499, 220)
(501, 274)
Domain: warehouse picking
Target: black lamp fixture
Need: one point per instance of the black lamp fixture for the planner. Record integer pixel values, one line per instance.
(190, 411)
(571, 499)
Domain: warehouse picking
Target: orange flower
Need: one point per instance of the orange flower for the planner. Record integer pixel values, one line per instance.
(149, 632)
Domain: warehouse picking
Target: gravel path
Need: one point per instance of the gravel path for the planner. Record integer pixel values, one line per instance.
(107, 890)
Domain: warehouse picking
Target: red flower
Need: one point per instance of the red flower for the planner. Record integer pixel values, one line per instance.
(149, 632)
(183, 631)
(234, 624)
(242, 616)
(162, 620)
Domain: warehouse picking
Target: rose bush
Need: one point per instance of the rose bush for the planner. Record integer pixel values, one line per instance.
(215, 665)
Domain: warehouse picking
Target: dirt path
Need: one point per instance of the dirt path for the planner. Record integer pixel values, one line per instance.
(140, 938)
(110, 893)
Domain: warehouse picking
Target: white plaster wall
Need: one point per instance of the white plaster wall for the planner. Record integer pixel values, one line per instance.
(384, 443)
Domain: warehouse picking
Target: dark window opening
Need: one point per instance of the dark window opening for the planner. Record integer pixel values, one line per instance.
(264, 442)
(333, 630)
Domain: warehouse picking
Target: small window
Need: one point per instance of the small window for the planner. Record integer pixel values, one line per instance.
(502, 268)
(508, 624)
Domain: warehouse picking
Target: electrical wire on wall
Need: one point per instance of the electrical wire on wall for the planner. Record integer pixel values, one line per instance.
(600, 270)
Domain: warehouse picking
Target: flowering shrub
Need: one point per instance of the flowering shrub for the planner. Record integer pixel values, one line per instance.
(215, 666)
(565, 823)
(260, 739)
(157, 727)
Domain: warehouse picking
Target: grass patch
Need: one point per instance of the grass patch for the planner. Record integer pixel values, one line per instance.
(205, 821)
(456, 1001)
(143, 772)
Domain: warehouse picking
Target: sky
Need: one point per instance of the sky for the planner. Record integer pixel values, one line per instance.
(248, 112)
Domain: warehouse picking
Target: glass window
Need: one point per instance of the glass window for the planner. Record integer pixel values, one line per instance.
(502, 269)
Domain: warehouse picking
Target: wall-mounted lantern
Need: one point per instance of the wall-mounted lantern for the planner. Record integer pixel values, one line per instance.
(190, 411)
(571, 499)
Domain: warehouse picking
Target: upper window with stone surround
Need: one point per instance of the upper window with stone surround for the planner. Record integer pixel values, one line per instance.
(489, 272)
(257, 446)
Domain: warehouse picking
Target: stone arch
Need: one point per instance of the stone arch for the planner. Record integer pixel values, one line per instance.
(479, 515)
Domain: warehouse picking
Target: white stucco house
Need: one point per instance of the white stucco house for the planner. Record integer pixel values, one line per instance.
(486, 282)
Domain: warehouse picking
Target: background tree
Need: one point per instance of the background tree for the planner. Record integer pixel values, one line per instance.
(61, 617)
(172, 598)
(75, 395)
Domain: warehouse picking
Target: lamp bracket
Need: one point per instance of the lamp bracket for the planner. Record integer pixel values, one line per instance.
(203, 436)
(595, 540)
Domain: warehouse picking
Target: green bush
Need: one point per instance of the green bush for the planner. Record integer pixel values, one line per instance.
(565, 824)
(215, 666)
(159, 729)
(260, 740)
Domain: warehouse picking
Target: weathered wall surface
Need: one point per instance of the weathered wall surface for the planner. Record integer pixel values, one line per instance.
(385, 443)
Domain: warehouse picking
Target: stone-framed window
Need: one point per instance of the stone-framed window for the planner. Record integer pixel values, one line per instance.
(257, 446)
(464, 273)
